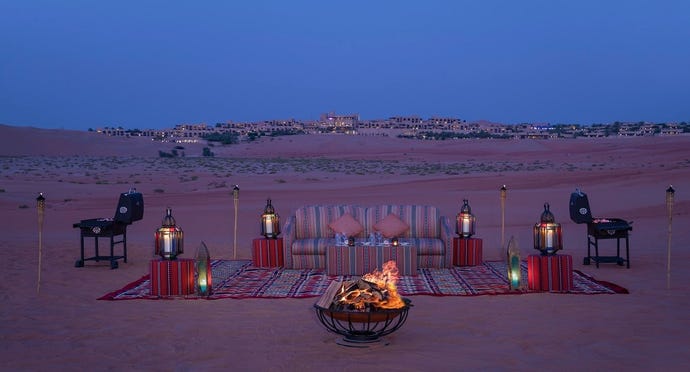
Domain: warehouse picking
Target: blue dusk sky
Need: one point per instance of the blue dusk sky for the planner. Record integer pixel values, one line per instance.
(154, 64)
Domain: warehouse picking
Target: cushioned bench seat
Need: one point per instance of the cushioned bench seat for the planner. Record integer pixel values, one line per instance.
(307, 233)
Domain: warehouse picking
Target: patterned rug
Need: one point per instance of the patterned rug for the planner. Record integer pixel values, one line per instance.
(238, 279)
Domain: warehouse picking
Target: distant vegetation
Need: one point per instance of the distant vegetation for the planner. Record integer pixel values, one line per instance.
(224, 138)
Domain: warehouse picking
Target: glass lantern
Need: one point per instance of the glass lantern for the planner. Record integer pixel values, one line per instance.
(270, 222)
(548, 238)
(169, 238)
(203, 282)
(465, 221)
(513, 264)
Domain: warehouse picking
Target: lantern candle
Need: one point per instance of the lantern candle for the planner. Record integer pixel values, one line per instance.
(269, 224)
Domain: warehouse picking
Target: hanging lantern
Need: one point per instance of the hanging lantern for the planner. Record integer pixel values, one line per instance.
(270, 221)
(548, 237)
(514, 272)
(169, 238)
(203, 282)
(465, 221)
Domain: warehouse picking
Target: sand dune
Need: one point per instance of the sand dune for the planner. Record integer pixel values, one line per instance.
(81, 174)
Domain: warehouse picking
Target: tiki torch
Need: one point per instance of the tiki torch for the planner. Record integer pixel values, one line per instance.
(669, 207)
(236, 201)
(503, 216)
(41, 207)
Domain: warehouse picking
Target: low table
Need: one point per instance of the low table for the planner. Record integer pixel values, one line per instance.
(361, 259)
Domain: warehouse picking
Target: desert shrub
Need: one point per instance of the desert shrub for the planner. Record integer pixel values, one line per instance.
(164, 154)
(224, 138)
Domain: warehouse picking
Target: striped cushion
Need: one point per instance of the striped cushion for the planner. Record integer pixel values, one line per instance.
(303, 261)
(428, 246)
(312, 221)
(423, 219)
(311, 246)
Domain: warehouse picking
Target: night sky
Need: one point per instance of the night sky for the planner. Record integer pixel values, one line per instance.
(154, 64)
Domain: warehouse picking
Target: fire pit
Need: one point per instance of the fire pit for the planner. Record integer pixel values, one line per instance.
(364, 310)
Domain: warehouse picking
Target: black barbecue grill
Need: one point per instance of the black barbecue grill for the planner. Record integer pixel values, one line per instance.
(130, 208)
(599, 229)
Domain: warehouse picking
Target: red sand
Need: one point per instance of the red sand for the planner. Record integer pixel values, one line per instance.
(64, 327)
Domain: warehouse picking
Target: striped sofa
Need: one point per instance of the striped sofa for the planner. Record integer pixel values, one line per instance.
(306, 233)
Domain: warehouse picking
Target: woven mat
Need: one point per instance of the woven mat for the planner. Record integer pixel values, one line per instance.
(238, 279)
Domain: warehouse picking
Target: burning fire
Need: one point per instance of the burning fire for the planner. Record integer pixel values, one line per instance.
(376, 290)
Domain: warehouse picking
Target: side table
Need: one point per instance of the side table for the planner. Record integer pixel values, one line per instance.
(550, 273)
(267, 252)
(172, 277)
(467, 251)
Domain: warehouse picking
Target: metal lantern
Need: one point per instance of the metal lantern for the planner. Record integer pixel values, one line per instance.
(169, 238)
(203, 282)
(465, 221)
(548, 237)
(270, 221)
(513, 264)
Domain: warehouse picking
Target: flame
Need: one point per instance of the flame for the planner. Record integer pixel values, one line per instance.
(387, 296)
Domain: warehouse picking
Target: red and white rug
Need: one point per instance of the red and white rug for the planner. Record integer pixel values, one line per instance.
(238, 279)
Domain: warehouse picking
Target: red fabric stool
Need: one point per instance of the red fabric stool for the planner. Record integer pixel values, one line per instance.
(267, 252)
(467, 251)
(550, 273)
(172, 277)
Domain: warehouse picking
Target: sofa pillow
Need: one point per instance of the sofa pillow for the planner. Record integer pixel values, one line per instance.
(346, 224)
(391, 226)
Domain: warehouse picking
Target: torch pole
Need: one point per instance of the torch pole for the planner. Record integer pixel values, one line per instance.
(236, 201)
(41, 207)
(503, 217)
(669, 207)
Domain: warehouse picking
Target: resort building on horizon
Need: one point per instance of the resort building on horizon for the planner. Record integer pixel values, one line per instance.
(401, 126)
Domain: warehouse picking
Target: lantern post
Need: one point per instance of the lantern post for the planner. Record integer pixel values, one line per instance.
(670, 192)
(503, 215)
(236, 202)
(40, 207)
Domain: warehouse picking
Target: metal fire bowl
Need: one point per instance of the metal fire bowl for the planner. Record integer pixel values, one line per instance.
(359, 327)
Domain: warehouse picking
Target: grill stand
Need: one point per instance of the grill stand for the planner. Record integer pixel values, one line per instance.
(593, 241)
(120, 230)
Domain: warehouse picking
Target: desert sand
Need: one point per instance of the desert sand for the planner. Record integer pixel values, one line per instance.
(81, 174)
